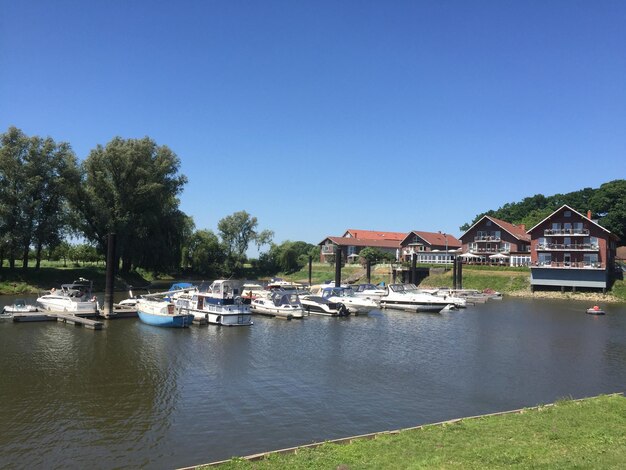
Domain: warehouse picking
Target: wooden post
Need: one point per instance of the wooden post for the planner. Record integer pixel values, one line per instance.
(338, 266)
(310, 269)
(368, 270)
(454, 274)
(459, 271)
(110, 274)
(413, 278)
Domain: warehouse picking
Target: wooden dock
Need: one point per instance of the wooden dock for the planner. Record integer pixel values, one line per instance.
(63, 317)
(119, 312)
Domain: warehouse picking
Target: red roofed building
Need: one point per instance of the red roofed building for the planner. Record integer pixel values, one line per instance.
(353, 241)
(430, 247)
(492, 240)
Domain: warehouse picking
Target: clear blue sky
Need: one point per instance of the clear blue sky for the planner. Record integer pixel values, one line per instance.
(318, 116)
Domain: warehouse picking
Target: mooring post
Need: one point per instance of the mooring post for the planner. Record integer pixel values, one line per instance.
(110, 274)
(413, 268)
(368, 270)
(460, 274)
(454, 286)
(310, 269)
(337, 266)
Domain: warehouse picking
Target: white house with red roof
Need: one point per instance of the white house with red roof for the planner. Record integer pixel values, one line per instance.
(429, 247)
(492, 240)
(353, 241)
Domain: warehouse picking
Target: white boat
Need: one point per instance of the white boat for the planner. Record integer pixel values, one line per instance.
(278, 303)
(74, 298)
(19, 306)
(369, 291)
(160, 312)
(446, 294)
(316, 305)
(346, 297)
(220, 304)
(408, 297)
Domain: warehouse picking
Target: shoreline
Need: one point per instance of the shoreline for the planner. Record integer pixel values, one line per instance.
(578, 296)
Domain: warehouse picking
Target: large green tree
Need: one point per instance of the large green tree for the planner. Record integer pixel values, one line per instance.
(237, 232)
(131, 187)
(609, 205)
(36, 177)
(204, 254)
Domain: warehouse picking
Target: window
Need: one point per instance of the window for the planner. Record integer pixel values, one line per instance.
(590, 259)
(556, 226)
(545, 258)
(578, 227)
(488, 223)
(497, 234)
(567, 213)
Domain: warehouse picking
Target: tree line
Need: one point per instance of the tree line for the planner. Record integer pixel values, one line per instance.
(129, 187)
(606, 203)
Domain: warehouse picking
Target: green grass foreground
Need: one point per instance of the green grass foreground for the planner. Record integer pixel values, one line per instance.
(590, 433)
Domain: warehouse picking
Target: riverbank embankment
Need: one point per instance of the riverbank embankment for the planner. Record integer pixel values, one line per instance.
(589, 433)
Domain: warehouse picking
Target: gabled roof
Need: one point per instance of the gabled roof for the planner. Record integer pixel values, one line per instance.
(435, 239)
(348, 241)
(517, 231)
(374, 235)
(565, 206)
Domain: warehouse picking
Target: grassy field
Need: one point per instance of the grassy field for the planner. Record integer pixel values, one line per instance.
(572, 434)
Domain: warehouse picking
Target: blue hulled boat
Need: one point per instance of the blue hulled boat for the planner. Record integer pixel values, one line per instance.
(162, 313)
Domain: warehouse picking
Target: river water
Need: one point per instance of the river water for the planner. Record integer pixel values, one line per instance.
(134, 395)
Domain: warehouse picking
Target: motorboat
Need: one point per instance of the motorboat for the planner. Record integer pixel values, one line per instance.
(317, 305)
(19, 306)
(369, 291)
(279, 303)
(252, 290)
(220, 304)
(73, 298)
(446, 294)
(162, 312)
(346, 297)
(408, 297)
(595, 310)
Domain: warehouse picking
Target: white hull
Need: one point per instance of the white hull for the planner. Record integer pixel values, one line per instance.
(58, 303)
(277, 311)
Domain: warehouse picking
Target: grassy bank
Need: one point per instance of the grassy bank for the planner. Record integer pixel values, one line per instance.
(571, 434)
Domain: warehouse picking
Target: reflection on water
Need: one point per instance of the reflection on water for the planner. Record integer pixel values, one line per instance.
(134, 395)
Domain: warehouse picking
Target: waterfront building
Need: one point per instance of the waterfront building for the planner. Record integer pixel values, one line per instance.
(494, 241)
(568, 249)
(429, 247)
(353, 241)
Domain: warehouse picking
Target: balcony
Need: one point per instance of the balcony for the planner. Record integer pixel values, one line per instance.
(487, 238)
(570, 265)
(567, 247)
(550, 232)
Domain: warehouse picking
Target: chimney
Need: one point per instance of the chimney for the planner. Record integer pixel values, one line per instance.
(589, 215)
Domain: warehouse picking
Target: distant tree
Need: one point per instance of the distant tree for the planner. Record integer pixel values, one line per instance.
(237, 232)
(130, 187)
(609, 205)
(62, 251)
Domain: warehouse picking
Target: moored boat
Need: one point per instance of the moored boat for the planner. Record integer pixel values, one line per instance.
(278, 303)
(74, 298)
(407, 297)
(220, 304)
(316, 305)
(346, 297)
(160, 312)
(19, 306)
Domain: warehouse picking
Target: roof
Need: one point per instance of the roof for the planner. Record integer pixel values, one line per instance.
(347, 241)
(565, 206)
(436, 239)
(374, 234)
(518, 231)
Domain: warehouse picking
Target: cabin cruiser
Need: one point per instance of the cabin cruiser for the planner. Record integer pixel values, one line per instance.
(408, 297)
(369, 291)
(317, 305)
(346, 297)
(220, 304)
(447, 295)
(279, 303)
(74, 298)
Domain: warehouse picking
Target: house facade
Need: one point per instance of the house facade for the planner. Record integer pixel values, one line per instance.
(429, 247)
(492, 240)
(353, 241)
(568, 249)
